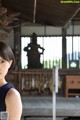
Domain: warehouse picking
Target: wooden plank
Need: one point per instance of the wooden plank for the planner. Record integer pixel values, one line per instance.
(38, 118)
(42, 107)
(42, 118)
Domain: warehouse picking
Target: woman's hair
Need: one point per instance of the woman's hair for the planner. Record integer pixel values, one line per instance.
(6, 53)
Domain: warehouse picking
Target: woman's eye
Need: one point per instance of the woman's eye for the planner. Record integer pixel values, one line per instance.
(3, 61)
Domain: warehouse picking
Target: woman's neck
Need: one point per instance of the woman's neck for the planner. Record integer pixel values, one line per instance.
(2, 82)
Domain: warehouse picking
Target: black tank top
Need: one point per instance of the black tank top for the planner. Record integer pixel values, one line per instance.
(3, 91)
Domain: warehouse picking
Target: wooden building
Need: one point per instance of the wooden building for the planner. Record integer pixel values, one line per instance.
(45, 19)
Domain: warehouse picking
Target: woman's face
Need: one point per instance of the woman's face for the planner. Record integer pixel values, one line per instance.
(4, 66)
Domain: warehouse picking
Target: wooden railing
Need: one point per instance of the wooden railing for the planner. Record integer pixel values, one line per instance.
(37, 82)
(34, 82)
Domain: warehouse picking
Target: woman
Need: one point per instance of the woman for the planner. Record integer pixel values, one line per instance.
(10, 100)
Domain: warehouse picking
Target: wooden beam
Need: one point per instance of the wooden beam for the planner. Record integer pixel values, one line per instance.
(69, 21)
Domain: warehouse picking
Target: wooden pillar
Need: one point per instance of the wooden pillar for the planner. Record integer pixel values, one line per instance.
(64, 53)
(17, 45)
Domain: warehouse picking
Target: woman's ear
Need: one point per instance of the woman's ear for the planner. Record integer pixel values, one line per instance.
(10, 63)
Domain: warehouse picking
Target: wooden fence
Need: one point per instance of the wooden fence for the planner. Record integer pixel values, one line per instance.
(32, 82)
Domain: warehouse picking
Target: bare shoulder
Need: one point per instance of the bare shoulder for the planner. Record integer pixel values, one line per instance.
(13, 104)
(13, 94)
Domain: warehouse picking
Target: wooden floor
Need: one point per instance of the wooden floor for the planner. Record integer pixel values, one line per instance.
(37, 107)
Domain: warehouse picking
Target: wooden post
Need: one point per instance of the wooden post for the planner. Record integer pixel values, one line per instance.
(17, 45)
(64, 55)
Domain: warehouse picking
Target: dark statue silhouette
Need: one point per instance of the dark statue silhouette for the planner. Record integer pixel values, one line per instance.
(33, 53)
